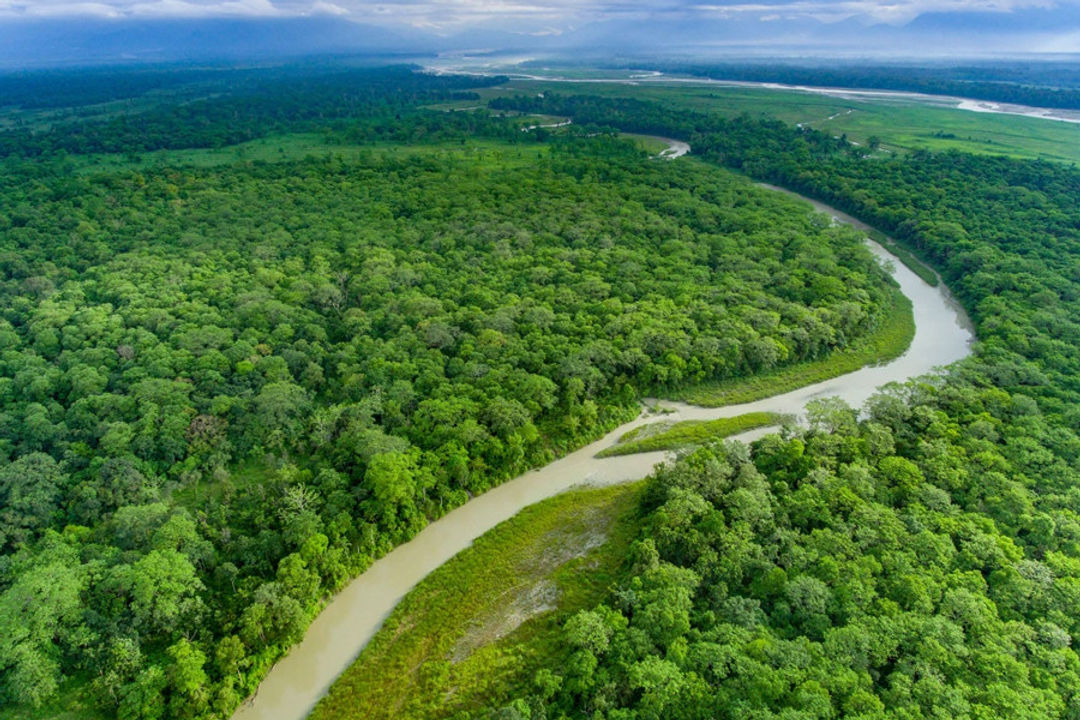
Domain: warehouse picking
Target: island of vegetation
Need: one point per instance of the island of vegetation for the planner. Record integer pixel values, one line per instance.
(686, 433)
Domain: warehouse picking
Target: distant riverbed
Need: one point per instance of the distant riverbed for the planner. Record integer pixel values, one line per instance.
(959, 103)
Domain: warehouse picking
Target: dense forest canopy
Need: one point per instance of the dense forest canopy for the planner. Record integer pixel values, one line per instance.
(917, 561)
(224, 391)
(248, 105)
(920, 563)
(72, 90)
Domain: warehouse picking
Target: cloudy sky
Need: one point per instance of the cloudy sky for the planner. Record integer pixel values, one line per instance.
(553, 15)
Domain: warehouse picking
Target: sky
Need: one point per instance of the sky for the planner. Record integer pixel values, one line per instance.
(84, 30)
(532, 16)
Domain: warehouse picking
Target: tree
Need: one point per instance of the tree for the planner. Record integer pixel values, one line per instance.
(394, 482)
(144, 699)
(120, 665)
(273, 616)
(187, 679)
(30, 490)
(587, 630)
(279, 409)
(162, 587)
(231, 658)
(40, 620)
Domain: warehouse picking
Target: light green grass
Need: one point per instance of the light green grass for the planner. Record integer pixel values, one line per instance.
(451, 645)
(902, 125)
(648, 143)
(298, 146)
(687, 433)
(889, 341)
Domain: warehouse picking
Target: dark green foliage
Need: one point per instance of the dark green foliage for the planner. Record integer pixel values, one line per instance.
(255, 104)
(920, 563)
(224, 391)
(877, 569)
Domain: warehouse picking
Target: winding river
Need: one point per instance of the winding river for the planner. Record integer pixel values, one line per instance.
(943, 335)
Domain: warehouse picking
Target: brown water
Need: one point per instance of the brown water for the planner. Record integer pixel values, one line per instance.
(943, 335)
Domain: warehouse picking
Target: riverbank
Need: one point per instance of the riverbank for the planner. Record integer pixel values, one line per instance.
(943, 335)
(888, 341)
(490, 617)
(664, 435)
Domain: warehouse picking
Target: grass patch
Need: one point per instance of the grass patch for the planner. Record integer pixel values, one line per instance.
(901, 124)
(299, 146)
(648, 143)
(889, 341)
(473, 633)
(667, 436)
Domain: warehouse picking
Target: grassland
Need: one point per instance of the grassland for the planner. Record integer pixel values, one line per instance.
(298, 146)
(902, 125)
(674, 436)
(648, 143)
(481, 624)
(890, 340)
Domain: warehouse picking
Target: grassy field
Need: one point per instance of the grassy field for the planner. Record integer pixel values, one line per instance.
(889, 341)
(902, 125)
(673, 436)
(298, 146)
(648, 143)
(480, 625)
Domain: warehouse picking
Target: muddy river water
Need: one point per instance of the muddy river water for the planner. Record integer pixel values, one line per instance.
(943, 335)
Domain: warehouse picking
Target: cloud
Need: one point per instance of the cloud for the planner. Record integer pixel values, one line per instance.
(65, 9)
(893, 12)
(188, 9)
(523, 16)
(1068, 42)
(325, 8)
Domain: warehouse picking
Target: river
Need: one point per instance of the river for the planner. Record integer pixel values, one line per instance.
(951, 101)
(290, 690)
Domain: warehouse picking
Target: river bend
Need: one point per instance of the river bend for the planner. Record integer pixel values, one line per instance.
(943, 335)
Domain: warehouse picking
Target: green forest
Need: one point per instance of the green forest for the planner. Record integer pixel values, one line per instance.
(918, 560)
(918, 563)
(224, 391)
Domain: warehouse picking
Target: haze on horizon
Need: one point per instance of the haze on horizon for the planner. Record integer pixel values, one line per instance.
(63, 31)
